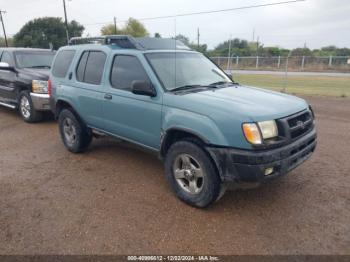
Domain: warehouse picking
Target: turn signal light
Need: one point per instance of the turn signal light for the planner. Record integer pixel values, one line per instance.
(252, 133)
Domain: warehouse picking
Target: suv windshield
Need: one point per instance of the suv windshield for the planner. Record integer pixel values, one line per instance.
(185, 69)
(40, 59)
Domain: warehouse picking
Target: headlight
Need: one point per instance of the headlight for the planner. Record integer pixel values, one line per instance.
(39, 86)
(256, 132)
(268, 129)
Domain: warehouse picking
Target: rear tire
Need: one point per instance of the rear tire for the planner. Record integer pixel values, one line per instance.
(192, 174)
(76, 136)
(26, 108)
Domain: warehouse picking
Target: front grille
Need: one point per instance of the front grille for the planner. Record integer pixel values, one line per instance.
(290, 129)
(300, 124)
(295, 126)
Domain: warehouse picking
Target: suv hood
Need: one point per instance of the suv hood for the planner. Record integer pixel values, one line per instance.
(243, 102)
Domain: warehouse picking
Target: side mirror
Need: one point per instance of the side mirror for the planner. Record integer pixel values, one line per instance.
(139, 87)
(6, 66)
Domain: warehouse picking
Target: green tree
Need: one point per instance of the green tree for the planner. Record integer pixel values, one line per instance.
(40, 32)
(239, 47)
(110, 30)
(301, 52)
(133, 27)
(157, 35)
(273, 51)
(3, 43)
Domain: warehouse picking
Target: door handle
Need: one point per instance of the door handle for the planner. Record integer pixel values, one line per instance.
(108, 96)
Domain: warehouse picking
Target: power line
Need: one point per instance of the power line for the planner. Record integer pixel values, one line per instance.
(207, 12)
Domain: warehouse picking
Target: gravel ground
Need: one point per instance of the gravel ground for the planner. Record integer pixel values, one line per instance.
(114, 199)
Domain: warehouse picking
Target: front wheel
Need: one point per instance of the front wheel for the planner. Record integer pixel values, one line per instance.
(75, 135)
(192, 174)
(26, 108)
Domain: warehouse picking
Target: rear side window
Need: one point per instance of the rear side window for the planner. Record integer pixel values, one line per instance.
(125, 70)
(90, 67)
(62, 62)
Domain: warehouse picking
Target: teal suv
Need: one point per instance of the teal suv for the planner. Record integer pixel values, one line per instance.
(209, 131)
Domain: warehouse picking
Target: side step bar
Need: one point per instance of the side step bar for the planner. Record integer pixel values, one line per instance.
(7, 105)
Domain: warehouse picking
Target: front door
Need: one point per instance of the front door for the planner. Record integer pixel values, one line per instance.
(134, 117)
(7, 79)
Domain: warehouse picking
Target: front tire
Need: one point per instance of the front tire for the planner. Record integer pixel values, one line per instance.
(26, 108)
(192, 174)
(75, 135)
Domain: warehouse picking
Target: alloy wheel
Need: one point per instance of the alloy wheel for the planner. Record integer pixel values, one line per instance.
(188, 173)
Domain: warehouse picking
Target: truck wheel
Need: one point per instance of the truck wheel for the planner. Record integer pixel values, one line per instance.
(75, 135)
(26, 108)
(192, 174)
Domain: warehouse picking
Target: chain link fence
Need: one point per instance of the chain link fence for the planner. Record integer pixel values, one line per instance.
(305, 75)
(279, 63)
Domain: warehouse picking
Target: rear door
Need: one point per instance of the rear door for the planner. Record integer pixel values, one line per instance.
(88, 82)
(8, 79)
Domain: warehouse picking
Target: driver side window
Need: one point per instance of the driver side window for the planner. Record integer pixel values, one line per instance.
(125, 70)
(7, 58)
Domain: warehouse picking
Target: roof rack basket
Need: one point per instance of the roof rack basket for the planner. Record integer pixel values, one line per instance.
(123, 41)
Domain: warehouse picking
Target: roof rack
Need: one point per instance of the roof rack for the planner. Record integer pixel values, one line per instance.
(129, 42)
(123, 41)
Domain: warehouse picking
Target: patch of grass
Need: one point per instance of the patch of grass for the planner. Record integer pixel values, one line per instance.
(305, 85)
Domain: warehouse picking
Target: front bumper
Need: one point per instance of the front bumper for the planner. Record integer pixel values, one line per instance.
(245, 166)
(41, 102)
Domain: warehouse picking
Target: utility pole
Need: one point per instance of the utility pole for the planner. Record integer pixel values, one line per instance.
(253, 34)
(115, 25)
(198, 35)
(257, 46)
(3, 27)
(66, 20)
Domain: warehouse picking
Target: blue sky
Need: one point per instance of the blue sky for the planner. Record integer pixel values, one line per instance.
(314, 22)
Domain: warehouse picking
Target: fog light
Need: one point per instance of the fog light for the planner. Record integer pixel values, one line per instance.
(268, 171)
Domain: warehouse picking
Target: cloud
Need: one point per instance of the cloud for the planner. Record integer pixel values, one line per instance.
(318, 22)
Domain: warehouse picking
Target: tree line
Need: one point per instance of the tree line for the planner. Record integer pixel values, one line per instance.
(50, 32)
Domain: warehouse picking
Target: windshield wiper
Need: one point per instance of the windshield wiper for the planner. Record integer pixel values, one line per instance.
(40, 66)
(188, 87)
(223, 83)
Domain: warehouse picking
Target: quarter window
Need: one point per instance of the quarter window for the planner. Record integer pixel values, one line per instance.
(125, 70)
(81, 67)
(62, 63)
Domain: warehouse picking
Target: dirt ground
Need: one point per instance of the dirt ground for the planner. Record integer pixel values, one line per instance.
(114, 199)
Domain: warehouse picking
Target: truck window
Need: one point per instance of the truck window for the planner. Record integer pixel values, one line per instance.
(92, 74)
(125, 70)
(34, 59)
(7, 58)
(62, 63)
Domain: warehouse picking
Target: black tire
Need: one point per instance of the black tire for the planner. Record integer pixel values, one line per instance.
(212, 187)
(80, 138)
(26, 108)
